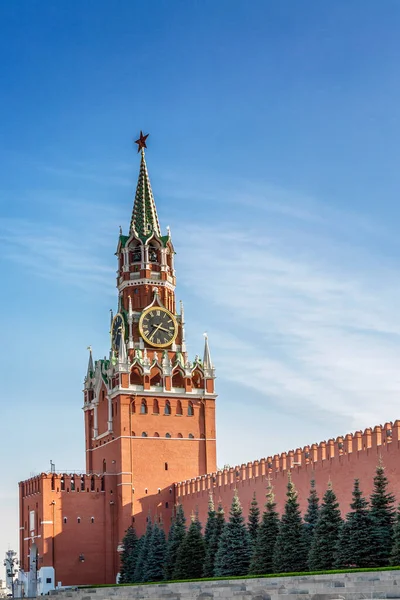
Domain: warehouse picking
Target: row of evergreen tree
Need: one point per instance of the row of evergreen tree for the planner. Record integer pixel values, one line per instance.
(369, 536)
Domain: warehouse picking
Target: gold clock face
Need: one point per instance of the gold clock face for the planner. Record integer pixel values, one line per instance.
(117, 330)
(158, 327)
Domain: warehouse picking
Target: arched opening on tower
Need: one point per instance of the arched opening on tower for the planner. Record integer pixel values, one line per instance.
(167, 408)
(178, 379)
(143, 407)
(154, 253)
(179, 407)
(136, 376)
(169, 259)
(156, 377)
(135, 255)
(197, 379)
(190, 409)
(156, 407)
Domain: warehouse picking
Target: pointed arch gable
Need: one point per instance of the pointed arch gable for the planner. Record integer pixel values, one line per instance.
(198, 377)
(136, 374)
(178, 377)
(156, 375)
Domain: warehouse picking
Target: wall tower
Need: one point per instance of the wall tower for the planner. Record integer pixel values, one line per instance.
(149, 410)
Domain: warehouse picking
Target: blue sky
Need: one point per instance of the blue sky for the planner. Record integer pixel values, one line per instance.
(273, 156)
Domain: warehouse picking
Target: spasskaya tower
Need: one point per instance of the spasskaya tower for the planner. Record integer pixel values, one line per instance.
(149, 409)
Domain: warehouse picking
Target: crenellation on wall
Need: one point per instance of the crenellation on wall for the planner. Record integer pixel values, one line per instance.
(325, 457)
(282, 462)
(367, 439)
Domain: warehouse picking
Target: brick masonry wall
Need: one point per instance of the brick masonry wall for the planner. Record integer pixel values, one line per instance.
(339, 461)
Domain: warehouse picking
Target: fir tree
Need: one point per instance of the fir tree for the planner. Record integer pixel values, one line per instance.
(326, 533)
(153, 569)
(211, 520)
(212, 546)
(175, 538)
(129, 556)
(395, 551)
(311, 515)
(262, 558)
(382, 518)
(191, 553)
(290, 553)
(254, 521)
(233, 555)
(211, 524)
(354, 548)
(143, 553)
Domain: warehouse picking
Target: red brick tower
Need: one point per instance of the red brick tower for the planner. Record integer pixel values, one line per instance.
(149, 410)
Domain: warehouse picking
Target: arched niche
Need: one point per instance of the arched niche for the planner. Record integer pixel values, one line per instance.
(136, 376)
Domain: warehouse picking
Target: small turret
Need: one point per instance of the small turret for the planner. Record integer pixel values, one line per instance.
(90, 368)
(207, 362)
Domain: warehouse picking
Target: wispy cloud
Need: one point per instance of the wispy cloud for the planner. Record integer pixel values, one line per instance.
(311, 323)
(72, 256)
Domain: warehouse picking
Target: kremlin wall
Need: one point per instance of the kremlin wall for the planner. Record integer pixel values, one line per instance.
(339, 461)
(150, 433)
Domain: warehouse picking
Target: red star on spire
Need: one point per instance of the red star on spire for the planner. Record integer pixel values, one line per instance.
(141, 142)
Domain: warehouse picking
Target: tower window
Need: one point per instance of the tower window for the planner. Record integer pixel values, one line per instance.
(190, 409)
(166, 505)
(179, 407)
(79, 519)
(156, 408)
(137, 255)
(144, 434)
(143, 407)
(152, 254)
(65, 520)
(191, 436)
(166, 466)
(167, 409)
(92, 519)
(167, 435)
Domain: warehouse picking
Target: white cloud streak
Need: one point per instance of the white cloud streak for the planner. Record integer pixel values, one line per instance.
(309, 331)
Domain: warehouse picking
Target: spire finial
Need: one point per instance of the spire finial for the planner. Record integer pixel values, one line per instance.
(141, 142)
(207, 362)
(90, 368)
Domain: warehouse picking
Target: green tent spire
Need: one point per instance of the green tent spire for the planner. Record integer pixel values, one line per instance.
(144, 220)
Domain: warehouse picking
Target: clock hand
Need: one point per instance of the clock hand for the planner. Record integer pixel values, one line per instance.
(163, 329)
(156, 329)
